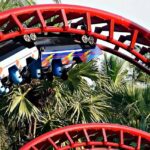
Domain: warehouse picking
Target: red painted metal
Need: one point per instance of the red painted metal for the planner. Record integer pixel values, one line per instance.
(69, 18)
(91, 136)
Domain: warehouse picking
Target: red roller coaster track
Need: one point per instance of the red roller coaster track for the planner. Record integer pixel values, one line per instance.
(91, 136)
(122, 34)
(44, 18)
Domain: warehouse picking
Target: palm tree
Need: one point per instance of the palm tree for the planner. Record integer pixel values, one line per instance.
(115, 69)
(22, 115)
(128, 98)
(20, 108)
(58, 90)
(51, 119)
(138, 111)
(74, 100)
(87, 107)
(138, 76)
(78, 75)
(79, 109)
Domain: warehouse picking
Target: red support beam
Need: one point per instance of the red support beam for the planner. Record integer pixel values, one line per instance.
(88, 22)
(42, 21)
(134, 39)
(65, 21)
(18, 23)
(111, 30)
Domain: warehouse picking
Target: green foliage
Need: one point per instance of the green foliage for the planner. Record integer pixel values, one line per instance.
(77, 76)
(7, 4)
(4, 137)
(20, 108)
(138, 111)
(115, 69)
(87, 107)
(115, 96)
(127, 89)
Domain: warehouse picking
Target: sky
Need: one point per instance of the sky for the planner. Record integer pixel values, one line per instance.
(135, 10)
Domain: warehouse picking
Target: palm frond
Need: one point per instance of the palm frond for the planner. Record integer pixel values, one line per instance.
(20, 108)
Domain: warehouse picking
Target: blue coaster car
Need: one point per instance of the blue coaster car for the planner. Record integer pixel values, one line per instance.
(13, 61)
(59, 57)
(14, 75)
(46, 56)
(57, 68)
(59, 51)
(35, 68)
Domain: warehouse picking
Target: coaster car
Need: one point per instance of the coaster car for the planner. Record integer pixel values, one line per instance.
(61, 51)
(37, 56)
(13, 59)
(14, 75)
